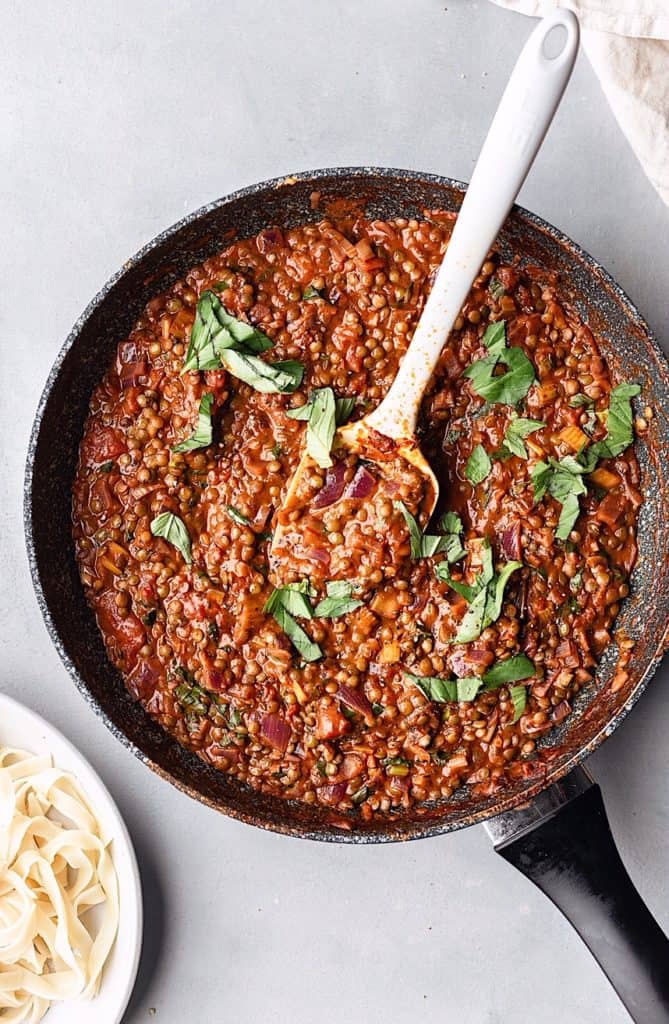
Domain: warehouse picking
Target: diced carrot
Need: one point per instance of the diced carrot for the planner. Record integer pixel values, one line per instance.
(605, 478)
(385, 604)
(299, 692)
(390, 653)
(535, 447)
(546, 393)
(611, 509)
(573, 437)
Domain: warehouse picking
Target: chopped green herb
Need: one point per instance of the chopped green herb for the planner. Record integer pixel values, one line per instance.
(518, 696)
(277, 451)
(564, 481)
(220, 286)
(478, 465)
(484, 597)
(515, 668)
(302, 642)
(619, 433)
(212, 630)
(150, 617)
(360, 795)
(215, 331)
(203, 432)
(311, 293)
(579, 401)
(237, 516)
(174, 531)
(193, 697)
(294, 597)
(377, 709)
(323, 412)
(220, 340)
(496, 288)
(451, 522)
(576, 582)
(512, 386)
(519, 428)
(268, 378)
(106, 467)
(425, 545)
(339, 600)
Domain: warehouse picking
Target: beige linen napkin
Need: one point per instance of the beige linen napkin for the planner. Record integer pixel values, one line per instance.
(627, 43)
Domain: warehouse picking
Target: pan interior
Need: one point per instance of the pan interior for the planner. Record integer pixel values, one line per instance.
(625, 342)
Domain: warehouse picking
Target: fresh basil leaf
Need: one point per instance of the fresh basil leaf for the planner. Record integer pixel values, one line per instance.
(478, 465)
(619, 434)
(464, 589)
(339, 600)
(443, 691)
(321, 427)
(216, 330)
(451, 522)
(518, 696)
(540, 476)
(293, 597)
(173, 530)
(106, 467)
(237, 516)
(510, 387)
(220, 286)
(472, 622)
(302, 642)
(496, 288)
(568, 516)
(426, 545)
(277, 451)
(512, 670)
(487, 569)
(202, 435)
(268, 378)
(494, 338)
(519, 428)
(343, 409)
(579, 401)
(493, 606)
(439, 690)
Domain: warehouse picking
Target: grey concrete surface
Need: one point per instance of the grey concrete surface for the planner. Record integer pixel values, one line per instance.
(115, 120)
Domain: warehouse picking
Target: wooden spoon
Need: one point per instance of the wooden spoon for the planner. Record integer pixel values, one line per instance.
(523, 116)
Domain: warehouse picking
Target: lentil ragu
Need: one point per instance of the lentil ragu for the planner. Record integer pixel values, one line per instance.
(409, 659)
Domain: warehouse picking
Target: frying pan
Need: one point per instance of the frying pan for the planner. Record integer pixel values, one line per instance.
(551, 825)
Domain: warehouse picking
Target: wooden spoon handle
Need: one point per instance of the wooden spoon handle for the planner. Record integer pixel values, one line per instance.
(523, 117)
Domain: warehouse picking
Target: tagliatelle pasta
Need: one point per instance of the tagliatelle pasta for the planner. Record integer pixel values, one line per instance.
(55, 866)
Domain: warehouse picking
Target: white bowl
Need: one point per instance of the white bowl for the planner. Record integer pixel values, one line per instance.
(22, 728)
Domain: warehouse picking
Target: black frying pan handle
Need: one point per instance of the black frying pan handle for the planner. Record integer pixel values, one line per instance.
(572, 857)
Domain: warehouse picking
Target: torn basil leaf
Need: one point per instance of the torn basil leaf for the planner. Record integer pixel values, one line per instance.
(478, 465)
(323, 413)
(451, 522)
(580, 402)
(202, 435)
(294, 597)
(173, 530)
(339, 600)
(519, 428)
(425, 545)
(300, 640)
(563, 480)
(510, 387)
(268, 378)
(237, 516)
(512, 670)
(496, 288)
(216, 330)
(442, 691)
(518, 696)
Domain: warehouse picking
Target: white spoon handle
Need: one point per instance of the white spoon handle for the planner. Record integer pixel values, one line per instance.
(516, 133)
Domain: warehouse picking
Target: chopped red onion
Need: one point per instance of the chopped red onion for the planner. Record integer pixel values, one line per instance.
(510, 540)
(132, 373)
(356, 701)
(276, 731)
(362, 484)
(332, 794)
(142, 681)
(333, 487)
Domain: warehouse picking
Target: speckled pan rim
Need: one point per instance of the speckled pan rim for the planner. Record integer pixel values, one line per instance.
(431, 827)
